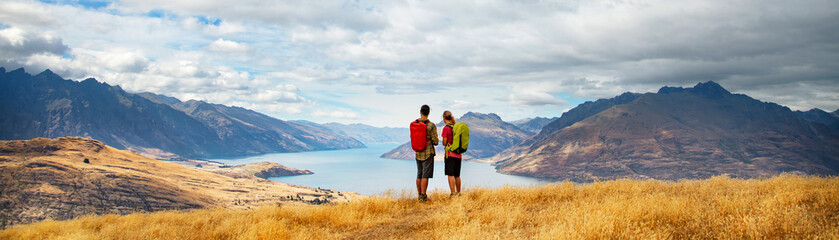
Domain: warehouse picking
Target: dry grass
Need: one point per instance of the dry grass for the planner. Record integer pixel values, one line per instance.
(719, 208)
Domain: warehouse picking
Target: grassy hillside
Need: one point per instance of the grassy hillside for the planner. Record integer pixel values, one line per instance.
(781, 207)
(67, 177)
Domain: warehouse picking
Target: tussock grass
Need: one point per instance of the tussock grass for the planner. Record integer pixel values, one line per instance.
(785, 207)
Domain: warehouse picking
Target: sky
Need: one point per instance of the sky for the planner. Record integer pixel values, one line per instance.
(377, 62)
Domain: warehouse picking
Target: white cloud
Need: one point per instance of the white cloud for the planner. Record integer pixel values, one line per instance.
(336, 114)
(535, 99)
(18, 43)
(462, 104)
(520, 57)
(222, 45)
(280, 93)
(25, 15)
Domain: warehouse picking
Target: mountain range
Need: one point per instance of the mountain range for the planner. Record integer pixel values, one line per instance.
(533, 124)
(365, 133)
(677, 133)
(46, 105)
(488, 135)
(831, 120)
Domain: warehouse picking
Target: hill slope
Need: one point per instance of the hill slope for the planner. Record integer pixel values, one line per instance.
(48, 178)
(256, 133)
(576, 114)
(488, 135)
(831, 120)
(785, 207)
(682, 133)
(46, 105)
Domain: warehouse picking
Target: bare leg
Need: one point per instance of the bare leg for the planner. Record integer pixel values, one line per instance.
(457, 180)
(419, 186)
(424, 184)
(452, 184)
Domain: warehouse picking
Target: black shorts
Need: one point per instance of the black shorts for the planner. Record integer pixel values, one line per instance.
(425, 169)
(453, 166)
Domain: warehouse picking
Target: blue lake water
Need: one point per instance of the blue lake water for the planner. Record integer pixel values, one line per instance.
(363, 171)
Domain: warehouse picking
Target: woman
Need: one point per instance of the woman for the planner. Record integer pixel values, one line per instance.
(452, 159)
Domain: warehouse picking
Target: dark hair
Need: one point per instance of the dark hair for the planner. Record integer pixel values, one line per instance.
(448, 116)
(425, 110)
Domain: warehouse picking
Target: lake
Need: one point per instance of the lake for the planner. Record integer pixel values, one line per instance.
(361, 170)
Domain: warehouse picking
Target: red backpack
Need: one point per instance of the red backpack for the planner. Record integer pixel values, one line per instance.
(419, 138)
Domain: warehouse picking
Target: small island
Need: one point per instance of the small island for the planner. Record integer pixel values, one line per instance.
(263, 170)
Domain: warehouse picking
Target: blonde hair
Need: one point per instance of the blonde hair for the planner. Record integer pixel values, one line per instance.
(448, 116)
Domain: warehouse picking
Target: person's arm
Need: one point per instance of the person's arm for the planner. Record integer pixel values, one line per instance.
(446, 132)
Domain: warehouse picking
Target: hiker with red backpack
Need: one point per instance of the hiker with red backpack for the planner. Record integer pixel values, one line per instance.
(423, 140)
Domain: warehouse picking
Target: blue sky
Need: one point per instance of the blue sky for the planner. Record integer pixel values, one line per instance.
(376, 62)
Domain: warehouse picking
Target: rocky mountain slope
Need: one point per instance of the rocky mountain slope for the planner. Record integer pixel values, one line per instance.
(533, 124)
(488, 135)
(576, 114)
(45, 105)
(68, 177)
(680, 133)
(256, 133)
(831, 120)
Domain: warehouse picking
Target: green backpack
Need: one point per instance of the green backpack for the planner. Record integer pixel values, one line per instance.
(460, 138)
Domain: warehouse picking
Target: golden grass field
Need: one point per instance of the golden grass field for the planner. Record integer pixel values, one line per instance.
(785, 207)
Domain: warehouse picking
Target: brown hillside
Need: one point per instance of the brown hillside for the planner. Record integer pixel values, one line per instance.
(783, 207)
(48, 179)
(681, 133)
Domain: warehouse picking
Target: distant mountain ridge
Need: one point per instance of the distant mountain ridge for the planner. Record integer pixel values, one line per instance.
(677, 133)
(365, 133)
(574, 115)
(533, 124)
(831, 120)
(47, 105)
(488, 135)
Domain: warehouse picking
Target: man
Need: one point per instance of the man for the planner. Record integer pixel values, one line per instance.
(425, 158)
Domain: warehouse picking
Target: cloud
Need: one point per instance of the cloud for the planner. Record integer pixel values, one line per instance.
(529, 56)
(462, 104)
(216, 28)
(222, 45)
(18, 43)
(356, 15)
(25, 15)
(280, 93)
(535, 98)
(336, 114)
(123, 61)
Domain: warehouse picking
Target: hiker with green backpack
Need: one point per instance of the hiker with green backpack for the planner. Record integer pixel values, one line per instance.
(456, 140)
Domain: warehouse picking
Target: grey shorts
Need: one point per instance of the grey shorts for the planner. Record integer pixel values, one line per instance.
(425, 169)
